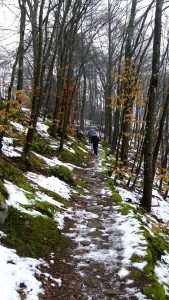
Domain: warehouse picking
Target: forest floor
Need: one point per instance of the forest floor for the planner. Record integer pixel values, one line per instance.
(82, 276)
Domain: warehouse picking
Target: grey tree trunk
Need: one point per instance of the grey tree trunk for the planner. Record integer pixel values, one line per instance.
(37, 91)
(83, 101)
(151, 114)
(108, 86)
(22, 5)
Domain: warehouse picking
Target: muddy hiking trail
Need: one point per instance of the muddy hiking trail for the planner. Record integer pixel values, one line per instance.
(91, 228)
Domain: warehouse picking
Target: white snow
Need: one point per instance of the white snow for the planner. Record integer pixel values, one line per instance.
(15, 270)
(51, 183)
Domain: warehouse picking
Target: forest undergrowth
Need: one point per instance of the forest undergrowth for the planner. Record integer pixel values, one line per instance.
(88, 254)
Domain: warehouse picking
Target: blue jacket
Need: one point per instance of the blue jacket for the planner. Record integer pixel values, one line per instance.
(91, 132)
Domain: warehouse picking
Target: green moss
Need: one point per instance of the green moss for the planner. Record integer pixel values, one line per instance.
(18, 143)
(61, 172)
(48, 123)
(149, 268)
(81, 137)
(77, 158)
(30, 236)
(55, 197)
(30, 196)
(82, 145)
(117, 197)
(3, 191)
(43, 207)
(67, 156)
(31, 164)
(154, 291)
(13, 174)
(135, 273)
(39, 145)
(46, 208)
(82, 184)
(82, 155)
(136, 258)
(156, 247)
(2, 105)
(125, 209)
(2, 198)
(102, 202)
(115, 194)
(36, 163)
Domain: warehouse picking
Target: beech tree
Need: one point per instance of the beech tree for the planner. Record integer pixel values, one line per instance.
(151, 113)
(78, 59)
(126, 121)
(37, 84)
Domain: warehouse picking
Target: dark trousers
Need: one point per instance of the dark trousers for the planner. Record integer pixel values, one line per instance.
(95, 147)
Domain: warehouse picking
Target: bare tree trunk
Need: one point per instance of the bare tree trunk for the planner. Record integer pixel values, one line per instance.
(160, 133)
(22, 5)
(151, 114)
(37, 90)
(116, 131)
(83, 101)
(2, 132)
(108, 86)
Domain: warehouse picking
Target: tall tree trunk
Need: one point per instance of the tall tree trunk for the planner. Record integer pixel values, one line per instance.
(116, 131)
(37, 90)
(151, 114)
(108, 86)
(5, 122)
(160, 133)
(126, 122)
(62, 61)
(22, 5)
(82, 110)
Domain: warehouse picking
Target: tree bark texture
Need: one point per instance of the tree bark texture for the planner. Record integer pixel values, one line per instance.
(151, 113)
(126, 124)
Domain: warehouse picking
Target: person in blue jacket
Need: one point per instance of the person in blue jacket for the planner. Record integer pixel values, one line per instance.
(90, 133)
(95, 141)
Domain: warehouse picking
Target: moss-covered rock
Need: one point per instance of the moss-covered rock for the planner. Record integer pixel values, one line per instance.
(44, 207)
(77, 157)
(3, 206)
(81, 137)
(156, 248)
(13, 174)
(41, 145)
(32, 236)
(55, 196)
(135, 273)
(62, 172)
(136, 258)
(154, 291)
(3, 191)
(3, 211)
(115, 193)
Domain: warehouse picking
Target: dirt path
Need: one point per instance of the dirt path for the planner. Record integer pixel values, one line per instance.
(89, 266)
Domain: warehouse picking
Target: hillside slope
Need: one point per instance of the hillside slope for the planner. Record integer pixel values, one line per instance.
(75, 235)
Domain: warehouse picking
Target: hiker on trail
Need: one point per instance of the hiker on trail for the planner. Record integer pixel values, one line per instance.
(95, 141)
(90, 133)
